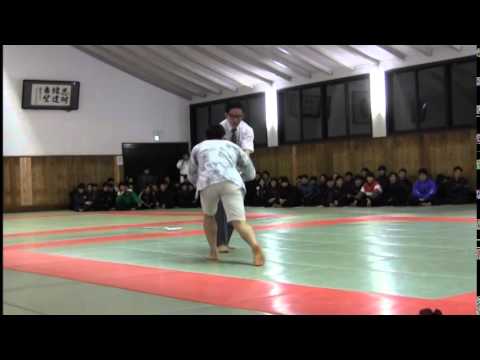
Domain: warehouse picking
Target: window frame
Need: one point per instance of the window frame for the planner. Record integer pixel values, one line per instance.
(323, 86)
(447, 68)
(193, 129)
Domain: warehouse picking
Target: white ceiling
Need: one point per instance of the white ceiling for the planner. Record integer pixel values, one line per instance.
(202, 70)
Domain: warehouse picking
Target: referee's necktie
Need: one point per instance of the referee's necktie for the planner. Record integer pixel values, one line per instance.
(234, 136)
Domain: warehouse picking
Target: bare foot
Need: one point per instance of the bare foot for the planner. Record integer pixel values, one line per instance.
(230, 247)
(223, 249)
(258, 257)
(212, 257)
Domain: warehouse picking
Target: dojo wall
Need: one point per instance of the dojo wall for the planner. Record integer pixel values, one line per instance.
(438, 151)
(46, 153)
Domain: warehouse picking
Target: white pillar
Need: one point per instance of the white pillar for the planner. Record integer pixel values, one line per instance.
(271, 115)
(378, 102)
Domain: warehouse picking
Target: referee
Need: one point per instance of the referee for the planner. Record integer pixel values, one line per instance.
(240, 133)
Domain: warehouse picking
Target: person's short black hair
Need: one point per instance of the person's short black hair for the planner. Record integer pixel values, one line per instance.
(393, 173)
(266, 172)
(284, 179)
(370, 174)
(359, 177)
(304, 176)
(110, 179)
(313, 178)
(122, 184)
(215, 132)
(105, 184)
(382, 167)
(457, 168)
(233, 105)
(339, 177)
(81, 186)
(428, 311)
(329, 178)
(365, 169)
(423, 171)
(348, 173)
(402, 170)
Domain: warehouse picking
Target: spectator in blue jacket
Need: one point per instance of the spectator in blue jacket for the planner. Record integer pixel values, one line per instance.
(424, 190)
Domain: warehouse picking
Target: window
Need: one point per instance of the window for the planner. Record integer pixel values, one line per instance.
(432, 96)
(404, 101)
(206, 114)
(463, 93)
(312, 119)
(325, 110)
(201, 122)
(290, 115)
(256, 119)
(336, 114)
(359, 111)
(217, 113)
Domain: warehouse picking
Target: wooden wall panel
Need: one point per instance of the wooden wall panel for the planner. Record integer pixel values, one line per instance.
(51, 179)
(437, 151)
(26, 189)
(11, 179)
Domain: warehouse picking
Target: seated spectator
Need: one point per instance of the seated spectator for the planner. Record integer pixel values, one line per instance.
(349, 182)
(442, 182)
(318, 191)
(298, 182)
(287, 194)
(131, 184)
(79, 199)
(382, 178)
(106, 198)
(329, 194)
(168, 181)
(305, 191)
(250, 187)
(92, 194)
(371, 192)
(266, 177)
(357, 191)
(364, 172)
(165, 197)
(335, 176)
(126, 199)
(155, 194)
(396, 193)
(424, 190)
(111, 184)
(145, 179)
(272, 193)
(260, 196)
(403, 180)
(147, 198)
(196, 201)
(185, 198)
(340, 193)
(458, 191)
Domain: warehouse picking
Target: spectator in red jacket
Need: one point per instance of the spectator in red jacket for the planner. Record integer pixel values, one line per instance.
(371, 192)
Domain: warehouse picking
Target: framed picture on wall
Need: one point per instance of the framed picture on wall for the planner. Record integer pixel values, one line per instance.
(50, 95)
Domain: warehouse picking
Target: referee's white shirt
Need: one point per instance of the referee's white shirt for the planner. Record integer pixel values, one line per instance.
(244, 134)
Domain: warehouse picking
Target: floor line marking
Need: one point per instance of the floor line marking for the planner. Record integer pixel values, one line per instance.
(219, 290)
